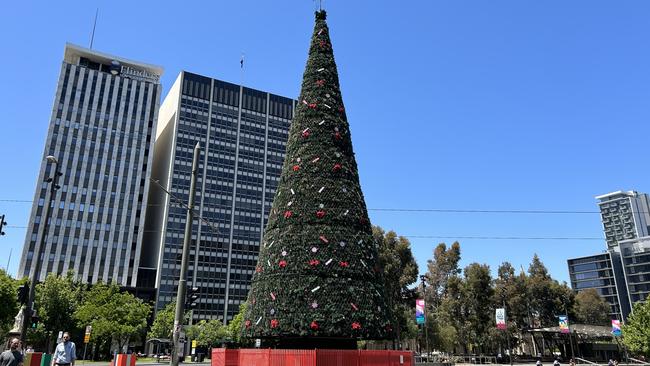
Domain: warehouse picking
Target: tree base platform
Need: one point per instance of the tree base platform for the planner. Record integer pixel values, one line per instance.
(313, 357)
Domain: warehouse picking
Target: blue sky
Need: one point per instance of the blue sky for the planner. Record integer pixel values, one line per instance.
(493, 105)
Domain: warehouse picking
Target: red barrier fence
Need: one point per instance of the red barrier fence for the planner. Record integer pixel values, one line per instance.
(296, 357)
(120, 359)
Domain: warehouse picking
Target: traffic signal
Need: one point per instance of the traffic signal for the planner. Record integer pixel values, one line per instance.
(35, 319)
(23, 294)
(192, 296)
(2, 224)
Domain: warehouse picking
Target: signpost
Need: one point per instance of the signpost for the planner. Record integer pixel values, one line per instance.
(89, 330)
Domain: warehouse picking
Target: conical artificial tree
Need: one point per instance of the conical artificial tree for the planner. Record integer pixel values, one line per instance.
(317, 283)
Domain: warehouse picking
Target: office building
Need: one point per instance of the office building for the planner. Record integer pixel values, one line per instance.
(603, 273)
(625, 215)
(101, 132)
(621, 275)
(242, 133)
(635, 257)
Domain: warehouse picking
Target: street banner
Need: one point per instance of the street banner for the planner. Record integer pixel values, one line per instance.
(564, 323)
(501, 318)
(419, 311)
(616, 328)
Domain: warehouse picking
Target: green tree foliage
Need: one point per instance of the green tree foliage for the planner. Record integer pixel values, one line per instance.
(463, 311)
(114, 315)
(477, 292)
(318, 274)
(590, 308)
(548, 298)
(510, 287)
(235, 325)
(400, 271)
(441, 268)
(211, 333)
(636, 331)
(57, 299)
(8, 301)
(163, 323)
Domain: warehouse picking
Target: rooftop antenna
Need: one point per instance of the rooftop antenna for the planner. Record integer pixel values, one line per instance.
(92, 35)
(320, 5)
(241, 68)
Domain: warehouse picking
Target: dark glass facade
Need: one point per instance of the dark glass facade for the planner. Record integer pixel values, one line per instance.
(242, 133)
(600, 272)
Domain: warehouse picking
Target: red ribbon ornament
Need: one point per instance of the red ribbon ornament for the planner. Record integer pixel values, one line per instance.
(274, 323)
(320, 214)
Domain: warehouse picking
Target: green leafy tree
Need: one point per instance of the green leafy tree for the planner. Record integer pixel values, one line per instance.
(57, 299)
(235, 326)
(114, 315)
(450, 318)
(400, 271)
(548, 298)
(510, 289)
(636, 331)
(163, 323)
(441, 268)
(318, 282)
(590, 308)
(8, 301)
(477, 298)
(209, 333)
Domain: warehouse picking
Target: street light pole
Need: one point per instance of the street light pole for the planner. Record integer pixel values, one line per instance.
(27, 310)
(187, 240)
(426, 333)
(507, 331)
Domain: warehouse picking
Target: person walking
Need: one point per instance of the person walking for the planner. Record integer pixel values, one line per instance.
(12, 357)
(65, 353)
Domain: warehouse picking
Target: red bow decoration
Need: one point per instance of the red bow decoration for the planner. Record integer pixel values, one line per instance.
(323, 44)
(274, 323)
(356, 325)
(248, 324)
(312, 105)
(305, 134)
(337, 135)
(320, 214)
(287, 214)
(344, 264)
(296, 168)
(320, 82)
(283, 263)
(314, 262)
(258, 269)
(337, 167)
(341, 109)
(314, 325)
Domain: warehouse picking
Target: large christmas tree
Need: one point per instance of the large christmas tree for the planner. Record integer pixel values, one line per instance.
(317, 283)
